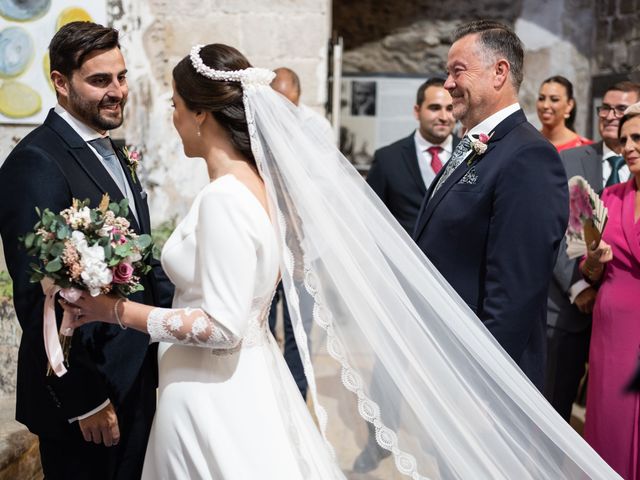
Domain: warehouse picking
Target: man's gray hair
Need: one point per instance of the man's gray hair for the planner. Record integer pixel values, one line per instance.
(500, 40)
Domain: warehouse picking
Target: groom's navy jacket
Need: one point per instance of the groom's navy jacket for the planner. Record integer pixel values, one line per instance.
(493, 230)
(47, 169)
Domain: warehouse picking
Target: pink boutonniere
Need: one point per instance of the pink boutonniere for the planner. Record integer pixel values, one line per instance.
(479, 145)
(133, 160)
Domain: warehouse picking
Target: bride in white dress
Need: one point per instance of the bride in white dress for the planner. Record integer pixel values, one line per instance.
(283, 202)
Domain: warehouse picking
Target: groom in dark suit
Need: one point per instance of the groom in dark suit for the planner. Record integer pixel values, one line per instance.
(494, 217)
(93, 422)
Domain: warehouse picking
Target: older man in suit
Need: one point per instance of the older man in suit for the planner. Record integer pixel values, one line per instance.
(571, 299)
(401, 172)
(93, 421)
(494, 217)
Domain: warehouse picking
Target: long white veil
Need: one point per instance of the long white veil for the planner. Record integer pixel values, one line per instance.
(396, 346)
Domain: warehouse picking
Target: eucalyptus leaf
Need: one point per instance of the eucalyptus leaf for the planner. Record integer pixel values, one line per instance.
(123, 250)
(56, 249)
(144, 241)
(36, 277)
(29, 239)
(63, 231)
(53, 265)
(115, 208)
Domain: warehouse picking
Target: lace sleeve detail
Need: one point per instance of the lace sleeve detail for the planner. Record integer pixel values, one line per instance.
(189, 326)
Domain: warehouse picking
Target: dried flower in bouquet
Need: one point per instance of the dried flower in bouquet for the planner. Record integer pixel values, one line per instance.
(84, 249)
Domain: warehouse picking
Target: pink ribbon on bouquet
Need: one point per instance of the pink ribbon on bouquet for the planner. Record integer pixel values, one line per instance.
(52, 346)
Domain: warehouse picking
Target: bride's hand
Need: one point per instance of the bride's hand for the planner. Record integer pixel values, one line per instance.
(91, 309)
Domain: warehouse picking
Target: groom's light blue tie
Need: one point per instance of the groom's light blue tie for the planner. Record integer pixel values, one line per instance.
(456, 159)
(105, 149)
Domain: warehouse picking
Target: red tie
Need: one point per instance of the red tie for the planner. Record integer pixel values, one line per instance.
(436, 163)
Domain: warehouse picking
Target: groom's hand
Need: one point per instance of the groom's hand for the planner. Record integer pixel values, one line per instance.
(101, 427)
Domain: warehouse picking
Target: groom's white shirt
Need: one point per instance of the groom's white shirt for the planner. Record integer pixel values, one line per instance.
(490, 123)
(87, 134)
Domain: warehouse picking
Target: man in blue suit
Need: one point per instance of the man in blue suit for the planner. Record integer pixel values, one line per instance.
(494, 217)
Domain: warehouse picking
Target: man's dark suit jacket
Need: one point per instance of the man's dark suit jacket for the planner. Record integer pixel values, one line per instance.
(585, 161)
(495, 238)
(47, 169)
(395, 176)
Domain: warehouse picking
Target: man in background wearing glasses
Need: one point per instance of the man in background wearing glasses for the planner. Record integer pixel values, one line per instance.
(571, 299)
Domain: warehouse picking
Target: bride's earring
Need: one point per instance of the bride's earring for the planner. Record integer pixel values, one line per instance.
(198, 130)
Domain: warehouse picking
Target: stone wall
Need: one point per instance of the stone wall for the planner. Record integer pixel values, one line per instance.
(617, 39)
(271, 33)
(556, 35)
(10, 333)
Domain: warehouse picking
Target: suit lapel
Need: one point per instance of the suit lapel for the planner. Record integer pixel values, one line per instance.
(136, 188)
(628, 221)
(432, 203)
(87, 160)
(411, 159)
(592, 166)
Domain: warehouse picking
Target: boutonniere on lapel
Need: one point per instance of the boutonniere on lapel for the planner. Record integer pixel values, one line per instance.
(133, 157)
(479, 143)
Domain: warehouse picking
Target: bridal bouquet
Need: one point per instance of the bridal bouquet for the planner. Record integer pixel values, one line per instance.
(587, 217)
(83, 249)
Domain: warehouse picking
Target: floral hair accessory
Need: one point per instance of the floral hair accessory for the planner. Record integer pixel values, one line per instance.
(248, 76)
(479, 145)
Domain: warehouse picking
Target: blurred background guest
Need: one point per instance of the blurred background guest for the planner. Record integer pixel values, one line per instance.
(612, 425)
(287, 83)
(556, 109)
(402, 172)
(571, 298)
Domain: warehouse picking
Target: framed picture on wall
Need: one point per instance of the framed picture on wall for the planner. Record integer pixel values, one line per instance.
(26, 28)
(376, 110)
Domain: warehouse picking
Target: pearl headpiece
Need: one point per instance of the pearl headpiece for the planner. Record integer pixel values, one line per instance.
(248, 76)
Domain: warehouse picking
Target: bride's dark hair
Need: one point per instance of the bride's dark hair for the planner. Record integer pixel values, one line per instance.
(222, 99)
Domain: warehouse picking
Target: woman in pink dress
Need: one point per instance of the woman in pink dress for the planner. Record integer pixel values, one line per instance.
(613, 413)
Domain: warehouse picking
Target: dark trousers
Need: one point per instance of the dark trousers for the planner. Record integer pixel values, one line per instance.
(291, 352)
(70, 457)
(567, 355)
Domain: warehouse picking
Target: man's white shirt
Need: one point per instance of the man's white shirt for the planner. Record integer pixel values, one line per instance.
(424, 157)
(87, 134)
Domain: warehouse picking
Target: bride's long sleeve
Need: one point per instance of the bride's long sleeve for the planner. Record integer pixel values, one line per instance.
(189, 326)
(224, 272)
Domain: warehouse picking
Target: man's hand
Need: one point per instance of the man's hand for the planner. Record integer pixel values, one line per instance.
(101, 427)
(586, 299)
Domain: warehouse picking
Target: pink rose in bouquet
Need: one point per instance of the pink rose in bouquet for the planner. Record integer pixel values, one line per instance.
(122, 273)
(83, 249)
